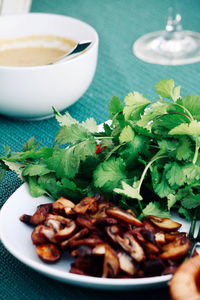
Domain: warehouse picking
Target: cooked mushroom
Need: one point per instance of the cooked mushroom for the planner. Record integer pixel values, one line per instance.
(130, 245)
(124, 216)
(106, 221)
(160, 238)
(43, 232)
(85, 204)
(82, 233)
(48, 252)
(39, 216)
(86, 221)
(38, 237)
(111, 263)
(150, 248)
(99, 249)
(138, 235)
(176, 249)
(126, 263)
(164, 223)
(91, 241)
(63, 205)
(66, 232)
(112, 231)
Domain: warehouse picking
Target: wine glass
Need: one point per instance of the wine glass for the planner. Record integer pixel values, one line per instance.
(173, 46)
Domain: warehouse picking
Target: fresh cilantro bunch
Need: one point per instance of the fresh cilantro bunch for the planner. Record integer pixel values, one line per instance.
(146, 158)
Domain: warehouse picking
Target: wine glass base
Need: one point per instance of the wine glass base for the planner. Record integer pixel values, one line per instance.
(154, 48)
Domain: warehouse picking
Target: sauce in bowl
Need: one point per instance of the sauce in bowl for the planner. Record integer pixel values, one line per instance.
(33, 50)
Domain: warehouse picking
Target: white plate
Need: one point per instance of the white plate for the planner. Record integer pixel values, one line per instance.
(16, 237)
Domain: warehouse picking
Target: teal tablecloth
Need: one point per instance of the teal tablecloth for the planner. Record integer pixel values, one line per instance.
(118, 23)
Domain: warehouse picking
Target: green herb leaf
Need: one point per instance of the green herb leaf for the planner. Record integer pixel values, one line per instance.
(126, 135)
(109, 173)
(128, 191)
(166, 89)
(153, 209)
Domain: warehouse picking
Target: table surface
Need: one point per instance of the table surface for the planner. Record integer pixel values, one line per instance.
(119, 24)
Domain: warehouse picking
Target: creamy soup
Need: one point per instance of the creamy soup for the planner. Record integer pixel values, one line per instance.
(33, 50)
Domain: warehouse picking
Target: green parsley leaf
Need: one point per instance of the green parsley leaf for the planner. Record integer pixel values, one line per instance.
(128, 191)
(171, 200)
(135, 106)
(35, 189)
(192, 104)
(156, 110)
(183, 149)
(175, 174)
(192, 129)
(36, 169)
(126, 135)
(153, 209)
(115, 106)
(109, 173)
(166, 89)
(191, 202)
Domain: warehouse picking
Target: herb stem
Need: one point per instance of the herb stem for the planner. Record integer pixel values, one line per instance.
(146, 169)
(195, 154)
(113, 150)
(103, 137)
(179, 113)
(187, 111)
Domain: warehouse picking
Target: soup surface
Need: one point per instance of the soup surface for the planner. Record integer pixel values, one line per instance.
(33, 50)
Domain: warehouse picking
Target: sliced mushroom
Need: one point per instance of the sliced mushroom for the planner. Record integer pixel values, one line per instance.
(124, 216)
(91, 241)
(82, 233)
(38, 236)
(48, 252)
(106, 221)
(149, 226)
(85, 204)
(164, 223)
(112, 231)
(131, 211)
(66, 232)
(176, 250)
(160, 238)
(126, 263)
(101, 212)
(150, 248)
(63, 227)
(39, 216)
(130, 245)
(138, 235)
(111, 263)
(63, 205)
(172, 236)
(99, 249)
(86, 221)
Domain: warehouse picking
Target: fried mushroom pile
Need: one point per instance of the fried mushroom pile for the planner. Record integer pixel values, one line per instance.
(105, 240)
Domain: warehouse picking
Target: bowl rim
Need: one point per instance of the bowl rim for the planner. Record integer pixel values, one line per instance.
(94, 43)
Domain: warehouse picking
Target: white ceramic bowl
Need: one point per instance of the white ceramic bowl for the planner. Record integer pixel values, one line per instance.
(30, 92)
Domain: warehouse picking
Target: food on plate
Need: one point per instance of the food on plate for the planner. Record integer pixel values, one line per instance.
(33, 50)
(185, 284)
(146, 158)
(106, 240)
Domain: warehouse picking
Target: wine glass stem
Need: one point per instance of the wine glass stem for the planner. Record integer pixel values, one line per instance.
(173, 28)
